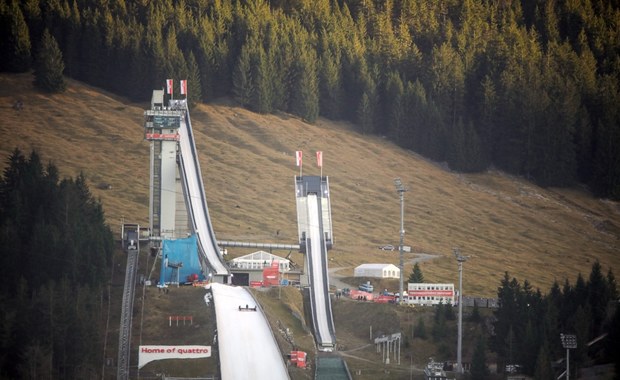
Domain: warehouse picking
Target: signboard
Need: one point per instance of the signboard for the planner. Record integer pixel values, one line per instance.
(430, 293)
(162, 136)
(148, 354)
(161, 121)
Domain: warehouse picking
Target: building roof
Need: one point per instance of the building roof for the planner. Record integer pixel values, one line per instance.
(259, 260)
(375, 266)
(260, 256)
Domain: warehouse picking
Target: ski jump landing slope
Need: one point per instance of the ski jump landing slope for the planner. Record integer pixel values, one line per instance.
(196, 199)
(247, 348)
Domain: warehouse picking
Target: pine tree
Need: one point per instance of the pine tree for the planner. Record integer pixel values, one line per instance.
(194, 85)
(475, 314)
(329, 85)
(439, 323)
(394, 95)
(420, 330)
(261, 99)
(305, 91)
(479, 369)
(15, 47)
(606, 179)
(598, 297)
(612, 285)
(365, 114)
(611, 344)
(242, 78)
(416, 276)
(543, 365)
(49, 65)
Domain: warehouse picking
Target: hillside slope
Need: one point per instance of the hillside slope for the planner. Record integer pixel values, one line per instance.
(504, 223)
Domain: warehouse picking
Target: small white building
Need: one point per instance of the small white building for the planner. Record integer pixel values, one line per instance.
(430, 294)
(259, 260)
(377, 270)
(247, 270)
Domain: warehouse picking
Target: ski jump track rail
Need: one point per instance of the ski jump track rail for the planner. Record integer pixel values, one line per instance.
(320, 302)
(196, 199)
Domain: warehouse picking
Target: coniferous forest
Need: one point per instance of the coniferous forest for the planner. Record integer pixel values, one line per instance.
(531, 87)
(528, 323)
(55, 254)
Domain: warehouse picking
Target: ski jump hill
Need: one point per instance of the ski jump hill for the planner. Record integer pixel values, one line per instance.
(246, 344)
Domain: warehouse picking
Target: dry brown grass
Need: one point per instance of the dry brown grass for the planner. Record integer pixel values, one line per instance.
(154, 328)
(504, 223)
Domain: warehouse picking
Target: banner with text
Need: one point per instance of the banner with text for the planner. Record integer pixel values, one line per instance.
(148, 354)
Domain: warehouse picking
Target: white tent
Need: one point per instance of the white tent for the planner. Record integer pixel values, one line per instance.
(377, 270)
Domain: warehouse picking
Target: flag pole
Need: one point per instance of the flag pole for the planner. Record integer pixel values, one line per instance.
(170, 88)
(299, 161)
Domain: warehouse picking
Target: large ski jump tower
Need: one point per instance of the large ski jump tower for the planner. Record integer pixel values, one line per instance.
(167, 210)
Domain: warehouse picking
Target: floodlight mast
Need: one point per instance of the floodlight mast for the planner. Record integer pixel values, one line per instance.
(400, 189)
(568, 342)
(460, 259)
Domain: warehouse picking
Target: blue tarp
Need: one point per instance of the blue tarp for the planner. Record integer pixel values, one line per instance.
(181, 254)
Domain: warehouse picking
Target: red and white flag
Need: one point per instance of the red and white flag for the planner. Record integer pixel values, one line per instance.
(319, 159)
(184, 87)
(169, 86)
(298, 155)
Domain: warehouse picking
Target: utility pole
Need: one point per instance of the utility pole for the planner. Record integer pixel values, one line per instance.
(400, 189)
(460, 259)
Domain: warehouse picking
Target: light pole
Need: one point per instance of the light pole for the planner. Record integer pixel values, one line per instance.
(460, 259)
(400, 189)
(568, 342)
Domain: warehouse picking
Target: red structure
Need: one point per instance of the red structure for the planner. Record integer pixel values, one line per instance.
(271, 275)
(298, 358)
(361, 295)
(382, 298)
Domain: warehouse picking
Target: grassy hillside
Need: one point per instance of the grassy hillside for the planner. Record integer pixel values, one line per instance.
(503, 223)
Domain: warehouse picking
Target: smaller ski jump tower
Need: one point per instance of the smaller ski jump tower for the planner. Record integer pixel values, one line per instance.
(314, 224)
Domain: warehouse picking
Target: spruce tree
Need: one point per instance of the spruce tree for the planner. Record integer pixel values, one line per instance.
(329, 85)
(194, 85)
(416, 276)
(49, 65)
(612, 352)
(420, 330)
(479, 369)
(305, 89)
(543, 365)
(365, 114)
(395, 110)
(15, 47)
(261, 99)
(242, 88)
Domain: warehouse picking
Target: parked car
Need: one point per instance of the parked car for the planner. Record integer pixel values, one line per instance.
(366, 287)
(388, 247)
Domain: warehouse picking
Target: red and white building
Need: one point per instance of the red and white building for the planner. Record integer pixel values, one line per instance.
(430, 294)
